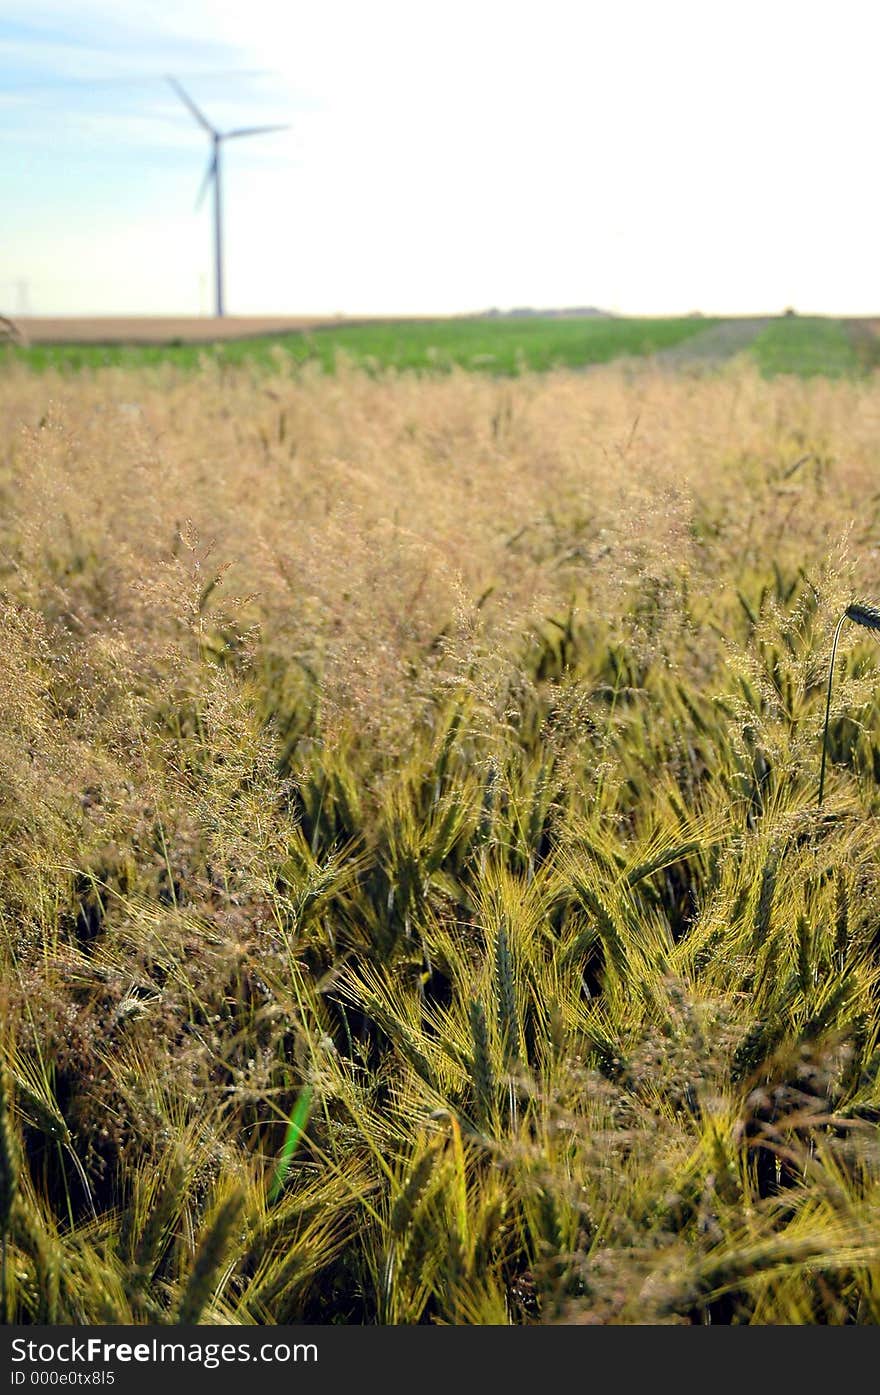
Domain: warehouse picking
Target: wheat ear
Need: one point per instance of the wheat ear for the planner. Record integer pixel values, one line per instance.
(482, 1075)
(203, 1278)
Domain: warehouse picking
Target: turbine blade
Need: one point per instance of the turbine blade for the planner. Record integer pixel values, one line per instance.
(188, 102)
(253, 131)
(210, 173)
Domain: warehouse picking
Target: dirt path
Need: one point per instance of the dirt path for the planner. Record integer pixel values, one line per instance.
(709, 349)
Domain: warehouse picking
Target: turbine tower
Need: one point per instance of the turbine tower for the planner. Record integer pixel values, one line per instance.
(212, 174)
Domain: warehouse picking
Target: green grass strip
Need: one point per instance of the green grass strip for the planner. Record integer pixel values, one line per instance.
(807, 348)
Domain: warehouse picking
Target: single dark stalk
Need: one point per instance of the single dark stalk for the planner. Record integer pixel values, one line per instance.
(869, 617)
(828, 708)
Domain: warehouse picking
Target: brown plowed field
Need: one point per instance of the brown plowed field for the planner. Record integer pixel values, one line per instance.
(160, 329)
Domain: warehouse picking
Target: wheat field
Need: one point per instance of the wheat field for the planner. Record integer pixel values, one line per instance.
(415, 904)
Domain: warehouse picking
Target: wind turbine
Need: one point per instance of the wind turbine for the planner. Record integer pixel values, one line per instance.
(213, 173)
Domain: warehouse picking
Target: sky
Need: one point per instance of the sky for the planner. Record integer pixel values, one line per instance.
(637, 156)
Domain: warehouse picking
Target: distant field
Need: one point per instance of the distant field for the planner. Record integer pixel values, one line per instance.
(503, 347)
(804, 346)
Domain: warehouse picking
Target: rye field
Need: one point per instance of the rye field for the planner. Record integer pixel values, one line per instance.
(415, 902)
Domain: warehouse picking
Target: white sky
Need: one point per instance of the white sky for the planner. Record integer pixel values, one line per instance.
(643, 157)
